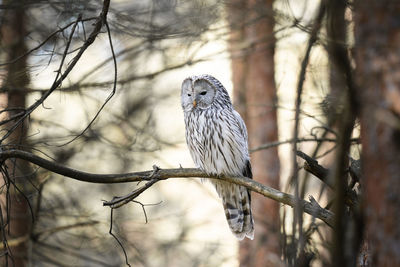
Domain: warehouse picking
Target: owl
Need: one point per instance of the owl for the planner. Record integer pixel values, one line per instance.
(217, 140)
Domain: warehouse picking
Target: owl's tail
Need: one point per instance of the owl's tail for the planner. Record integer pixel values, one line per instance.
(237, 205)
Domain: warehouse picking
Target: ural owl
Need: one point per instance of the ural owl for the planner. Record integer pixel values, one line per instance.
(217, 139)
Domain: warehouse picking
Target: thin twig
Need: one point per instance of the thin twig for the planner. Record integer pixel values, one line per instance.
(117, 202)
(62, 29)
(116, 238)
(111, 94)
(4, 237)
(143, 207)
(21, 239)
(68, 44)
(96, 30)
(299, 140)
(298, 217)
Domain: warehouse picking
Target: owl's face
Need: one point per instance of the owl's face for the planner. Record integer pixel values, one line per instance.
(197, 93)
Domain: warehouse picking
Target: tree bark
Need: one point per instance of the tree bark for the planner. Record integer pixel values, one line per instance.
(252, 48)
(15, 204)
(378, 79)
(348, 231)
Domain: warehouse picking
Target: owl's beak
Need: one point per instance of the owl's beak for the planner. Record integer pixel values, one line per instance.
(194, 103)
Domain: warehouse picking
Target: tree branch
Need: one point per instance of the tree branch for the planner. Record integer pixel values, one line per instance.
(21, 239)
(61, 77)
(163, 174)
(298, 140)
(312, 166)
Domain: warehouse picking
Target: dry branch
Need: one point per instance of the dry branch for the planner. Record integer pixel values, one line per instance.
(19, 240)
(163, 174)
(298, 140)
(101, 19)
(312, 166)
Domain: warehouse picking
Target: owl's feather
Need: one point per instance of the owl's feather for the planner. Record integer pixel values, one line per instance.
(217, 139)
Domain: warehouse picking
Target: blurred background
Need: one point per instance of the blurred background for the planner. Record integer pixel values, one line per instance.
(113, 106)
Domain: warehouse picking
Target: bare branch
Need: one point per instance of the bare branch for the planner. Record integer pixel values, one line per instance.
(312, 166)
(163, 174)
(299, 140)
(114, 89)
(117, 202)
(19, 240)
(96, 30)
(116, 238)
(46, 40)
(298, 214)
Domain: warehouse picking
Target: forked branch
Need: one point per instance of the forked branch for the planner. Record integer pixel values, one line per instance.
(162, 174)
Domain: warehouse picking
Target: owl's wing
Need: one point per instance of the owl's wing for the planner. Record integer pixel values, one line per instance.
(242, 127)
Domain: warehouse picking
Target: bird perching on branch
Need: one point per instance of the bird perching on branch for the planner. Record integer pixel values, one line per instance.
(217, 139)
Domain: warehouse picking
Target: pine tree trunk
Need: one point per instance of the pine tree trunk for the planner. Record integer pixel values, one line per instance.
(255, 99)
(15, 205)
(377, 26)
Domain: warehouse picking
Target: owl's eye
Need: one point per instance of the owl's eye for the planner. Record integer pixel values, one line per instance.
(203, 93)
(189, 94)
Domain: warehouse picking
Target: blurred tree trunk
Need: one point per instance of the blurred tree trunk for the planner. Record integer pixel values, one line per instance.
(377, 26)
(252, 47)
(16, 79)
(348, 232)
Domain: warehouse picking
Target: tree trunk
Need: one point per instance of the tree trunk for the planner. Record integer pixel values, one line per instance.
(255, 99)
(15, 205)
(378, 79)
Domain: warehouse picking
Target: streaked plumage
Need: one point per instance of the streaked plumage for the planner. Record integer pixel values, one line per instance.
(217, 139)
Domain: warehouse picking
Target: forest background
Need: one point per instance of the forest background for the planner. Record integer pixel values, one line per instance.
(89, 90)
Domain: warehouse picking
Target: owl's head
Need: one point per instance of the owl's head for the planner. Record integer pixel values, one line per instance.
(203, 92)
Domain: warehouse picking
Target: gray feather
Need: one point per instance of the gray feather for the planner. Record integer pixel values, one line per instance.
(217, 140)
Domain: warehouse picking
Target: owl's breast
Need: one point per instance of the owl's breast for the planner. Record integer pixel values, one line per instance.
(215, 142)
